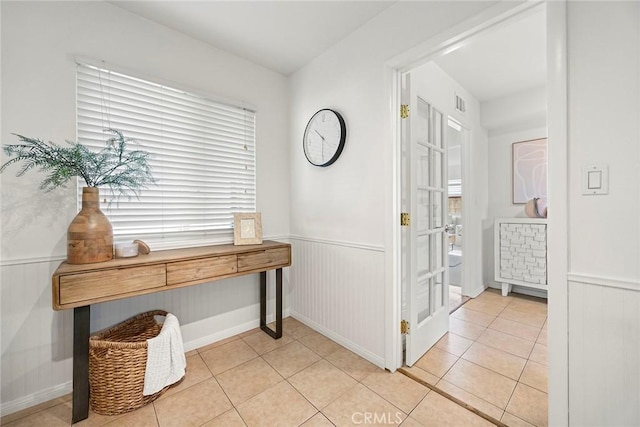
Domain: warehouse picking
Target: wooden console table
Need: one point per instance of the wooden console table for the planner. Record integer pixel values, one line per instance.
(79, 286)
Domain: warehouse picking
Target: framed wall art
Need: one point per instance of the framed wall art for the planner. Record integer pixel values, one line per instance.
(247, 228)
(529, 170)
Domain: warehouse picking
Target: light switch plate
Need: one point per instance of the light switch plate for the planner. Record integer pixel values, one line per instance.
(595, 179)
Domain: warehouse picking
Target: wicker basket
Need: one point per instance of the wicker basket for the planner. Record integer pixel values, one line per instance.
(117, 363)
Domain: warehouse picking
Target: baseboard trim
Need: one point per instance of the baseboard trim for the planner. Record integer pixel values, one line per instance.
(539, 293)
(238, 329)
(476, 291)
(41, 396)
(57, 391)
(364, 353)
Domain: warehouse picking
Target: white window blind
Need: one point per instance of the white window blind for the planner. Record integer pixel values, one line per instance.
(202, 156)
(455, 188)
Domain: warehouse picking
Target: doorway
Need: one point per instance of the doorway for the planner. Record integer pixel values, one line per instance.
(436, 139)
(456, 135)
(458, 81)
(556, 72)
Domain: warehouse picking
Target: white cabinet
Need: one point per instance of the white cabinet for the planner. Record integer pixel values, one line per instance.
(520, 253)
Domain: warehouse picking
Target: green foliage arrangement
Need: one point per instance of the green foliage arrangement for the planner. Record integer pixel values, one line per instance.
(114, 166)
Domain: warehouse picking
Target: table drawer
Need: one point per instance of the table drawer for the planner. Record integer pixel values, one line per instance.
(107, 283)
(264, 259)
(191, 271)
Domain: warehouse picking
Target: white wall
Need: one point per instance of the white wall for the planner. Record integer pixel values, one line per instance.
(517, 117)
(349, 202)
(39, 43)
(500, 205)
(604, 110)
(435, 86)
(604, 231)
(521, 110)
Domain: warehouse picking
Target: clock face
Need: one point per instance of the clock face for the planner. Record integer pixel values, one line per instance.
(324, 137)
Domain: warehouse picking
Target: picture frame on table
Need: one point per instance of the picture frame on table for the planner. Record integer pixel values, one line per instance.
(247, 228)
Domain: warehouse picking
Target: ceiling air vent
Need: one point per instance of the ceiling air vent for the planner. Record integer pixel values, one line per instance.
(461, 106)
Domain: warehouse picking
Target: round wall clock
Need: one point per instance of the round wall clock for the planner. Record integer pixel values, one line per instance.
(324, 137)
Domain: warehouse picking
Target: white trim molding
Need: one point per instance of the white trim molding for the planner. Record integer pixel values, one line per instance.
(557, 226)
(35, 260)
(524, 290)
(42, 396)
(363, 246)
(205, 340)
(609, 282)
(360, 351)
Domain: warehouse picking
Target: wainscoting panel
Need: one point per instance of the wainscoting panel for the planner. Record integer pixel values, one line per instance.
(37, 341)
(338, 289)
(604, 352)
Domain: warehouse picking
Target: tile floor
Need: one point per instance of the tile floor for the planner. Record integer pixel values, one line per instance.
(455, 298)
(306, 379)
(494, 358)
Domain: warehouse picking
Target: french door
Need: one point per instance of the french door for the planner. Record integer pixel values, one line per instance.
(425, 238)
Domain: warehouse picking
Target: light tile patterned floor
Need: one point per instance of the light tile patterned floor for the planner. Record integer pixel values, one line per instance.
(494, 358)
(455, 298)
(307, 379)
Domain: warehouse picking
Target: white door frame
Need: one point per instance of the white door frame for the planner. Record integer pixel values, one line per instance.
(557, 126)
(465, 173)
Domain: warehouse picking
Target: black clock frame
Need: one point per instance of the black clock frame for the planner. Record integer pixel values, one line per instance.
(343, 138)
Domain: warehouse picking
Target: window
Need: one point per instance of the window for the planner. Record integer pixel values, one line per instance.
(202, 157)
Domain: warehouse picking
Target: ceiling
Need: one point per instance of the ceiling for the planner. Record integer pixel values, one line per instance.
(504, 60)
(280, 35)
(286, 35)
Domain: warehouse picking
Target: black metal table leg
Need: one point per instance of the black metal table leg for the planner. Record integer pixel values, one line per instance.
(263, 304)
(278, 303)
(81, 326)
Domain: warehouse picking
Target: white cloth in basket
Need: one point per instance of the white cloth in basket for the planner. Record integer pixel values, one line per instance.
(165, 357)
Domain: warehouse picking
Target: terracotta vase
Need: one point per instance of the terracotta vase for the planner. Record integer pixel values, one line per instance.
(90, 235)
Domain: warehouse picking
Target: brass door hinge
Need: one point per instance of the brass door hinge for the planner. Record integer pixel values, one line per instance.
(404, 111)
(404, 327)
(404, 219)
